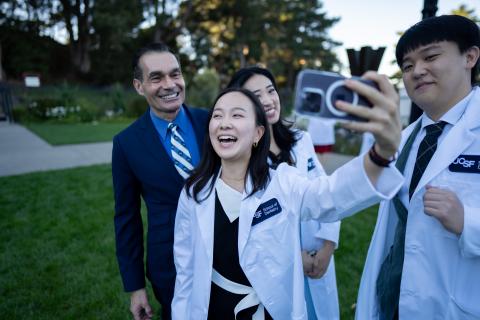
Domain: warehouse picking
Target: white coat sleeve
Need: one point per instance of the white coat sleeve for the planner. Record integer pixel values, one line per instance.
(327, 230)
(470, 238)
(183, 258)
(347, 191)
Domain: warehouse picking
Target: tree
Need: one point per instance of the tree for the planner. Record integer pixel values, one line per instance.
(462, 10)
(85, 33)
(229, 34)
(297, 38)
(77, 16)
(115, 25)
(43, 17)
(168, 25)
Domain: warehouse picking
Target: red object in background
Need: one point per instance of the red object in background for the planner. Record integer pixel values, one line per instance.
(323, 149)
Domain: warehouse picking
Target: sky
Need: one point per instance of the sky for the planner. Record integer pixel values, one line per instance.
(376, 23)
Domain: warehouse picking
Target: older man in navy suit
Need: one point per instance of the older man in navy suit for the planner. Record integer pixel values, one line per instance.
(150, 160)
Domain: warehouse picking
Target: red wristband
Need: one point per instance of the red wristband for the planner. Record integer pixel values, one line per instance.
(378, 159)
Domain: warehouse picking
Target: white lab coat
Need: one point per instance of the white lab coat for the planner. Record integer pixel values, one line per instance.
(269, 252)
(314, 233)
(441, 271)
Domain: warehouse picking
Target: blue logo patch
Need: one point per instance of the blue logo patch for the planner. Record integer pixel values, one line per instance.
(266, 210)
(466, 163)
(310, 164)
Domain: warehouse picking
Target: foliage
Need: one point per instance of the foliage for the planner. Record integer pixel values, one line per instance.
(57, 251)
(203, 89)
(463, 10)
(227, 35)
(114, 23)
(99, 37)
(136, 107)
(69, 104)
(19, 58)
(347, 142)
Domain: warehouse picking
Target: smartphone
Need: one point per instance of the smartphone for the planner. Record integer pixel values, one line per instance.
(316, 92)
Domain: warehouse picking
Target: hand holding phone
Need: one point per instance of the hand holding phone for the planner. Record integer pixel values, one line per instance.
(326, 94)
(317, 91)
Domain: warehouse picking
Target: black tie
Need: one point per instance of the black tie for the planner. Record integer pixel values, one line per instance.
(390, 273)
(425, 152)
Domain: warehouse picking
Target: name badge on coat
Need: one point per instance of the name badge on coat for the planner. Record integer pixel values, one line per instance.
(466, 163)
(266, 210)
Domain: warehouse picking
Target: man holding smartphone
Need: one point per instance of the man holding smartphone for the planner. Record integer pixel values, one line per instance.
(424, 257)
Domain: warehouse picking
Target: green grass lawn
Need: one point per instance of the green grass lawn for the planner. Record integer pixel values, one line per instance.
(355, 236)
(72, 133)
(57, 251)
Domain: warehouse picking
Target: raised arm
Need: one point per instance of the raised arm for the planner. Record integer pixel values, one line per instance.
(383, 119)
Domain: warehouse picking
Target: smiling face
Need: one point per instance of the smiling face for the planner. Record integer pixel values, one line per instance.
(162, 84)
(437, 76)
(263, 88)
(233, 128)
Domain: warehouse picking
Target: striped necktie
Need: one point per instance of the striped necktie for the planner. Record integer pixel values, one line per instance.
(180, 154)
(425, 152)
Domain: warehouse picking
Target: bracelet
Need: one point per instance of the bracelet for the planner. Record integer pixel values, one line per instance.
(378, 159)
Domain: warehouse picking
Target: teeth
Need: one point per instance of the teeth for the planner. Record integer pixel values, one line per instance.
(169, 96)
(227, 139)
(269, 110)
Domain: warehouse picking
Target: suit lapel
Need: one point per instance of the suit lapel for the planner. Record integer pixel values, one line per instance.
(457, 140)
(149, 136)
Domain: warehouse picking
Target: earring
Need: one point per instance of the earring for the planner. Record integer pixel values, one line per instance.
(255, 144)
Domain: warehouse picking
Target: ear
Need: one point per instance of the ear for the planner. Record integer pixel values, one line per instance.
(137, 84)
(472, 54)
(259, 130)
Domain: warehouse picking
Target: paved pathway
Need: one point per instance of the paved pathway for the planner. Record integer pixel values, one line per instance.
(21, 151)
(331, 161)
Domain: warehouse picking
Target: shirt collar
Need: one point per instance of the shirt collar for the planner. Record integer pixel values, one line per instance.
(162, 125)
(229, 198)
(453, 115)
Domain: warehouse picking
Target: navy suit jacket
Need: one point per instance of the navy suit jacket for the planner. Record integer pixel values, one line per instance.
(141, 167)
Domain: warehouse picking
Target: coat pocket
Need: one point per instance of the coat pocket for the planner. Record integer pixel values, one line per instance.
(466, 291)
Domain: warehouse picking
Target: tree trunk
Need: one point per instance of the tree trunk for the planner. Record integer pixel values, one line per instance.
(167, 28)
(80, 46)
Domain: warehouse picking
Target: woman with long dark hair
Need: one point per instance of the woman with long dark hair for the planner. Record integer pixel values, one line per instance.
(237, 245)
(295, 147)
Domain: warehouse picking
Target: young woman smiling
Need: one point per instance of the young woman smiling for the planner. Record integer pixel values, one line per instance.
(237, 241)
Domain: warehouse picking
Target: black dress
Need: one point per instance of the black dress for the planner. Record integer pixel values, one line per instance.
(226, 262)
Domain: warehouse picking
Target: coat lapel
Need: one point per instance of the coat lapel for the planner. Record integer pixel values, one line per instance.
(149, 136)
(459, 138)
(248, 208)
(205, 213)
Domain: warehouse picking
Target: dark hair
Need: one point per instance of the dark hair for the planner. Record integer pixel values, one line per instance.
(284, 137)
(460, 30)
(210, 162)
(152, 47)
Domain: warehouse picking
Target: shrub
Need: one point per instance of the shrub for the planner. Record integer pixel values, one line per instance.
(203, 88)
(41, 108)
(117, 94)
(136, 107)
